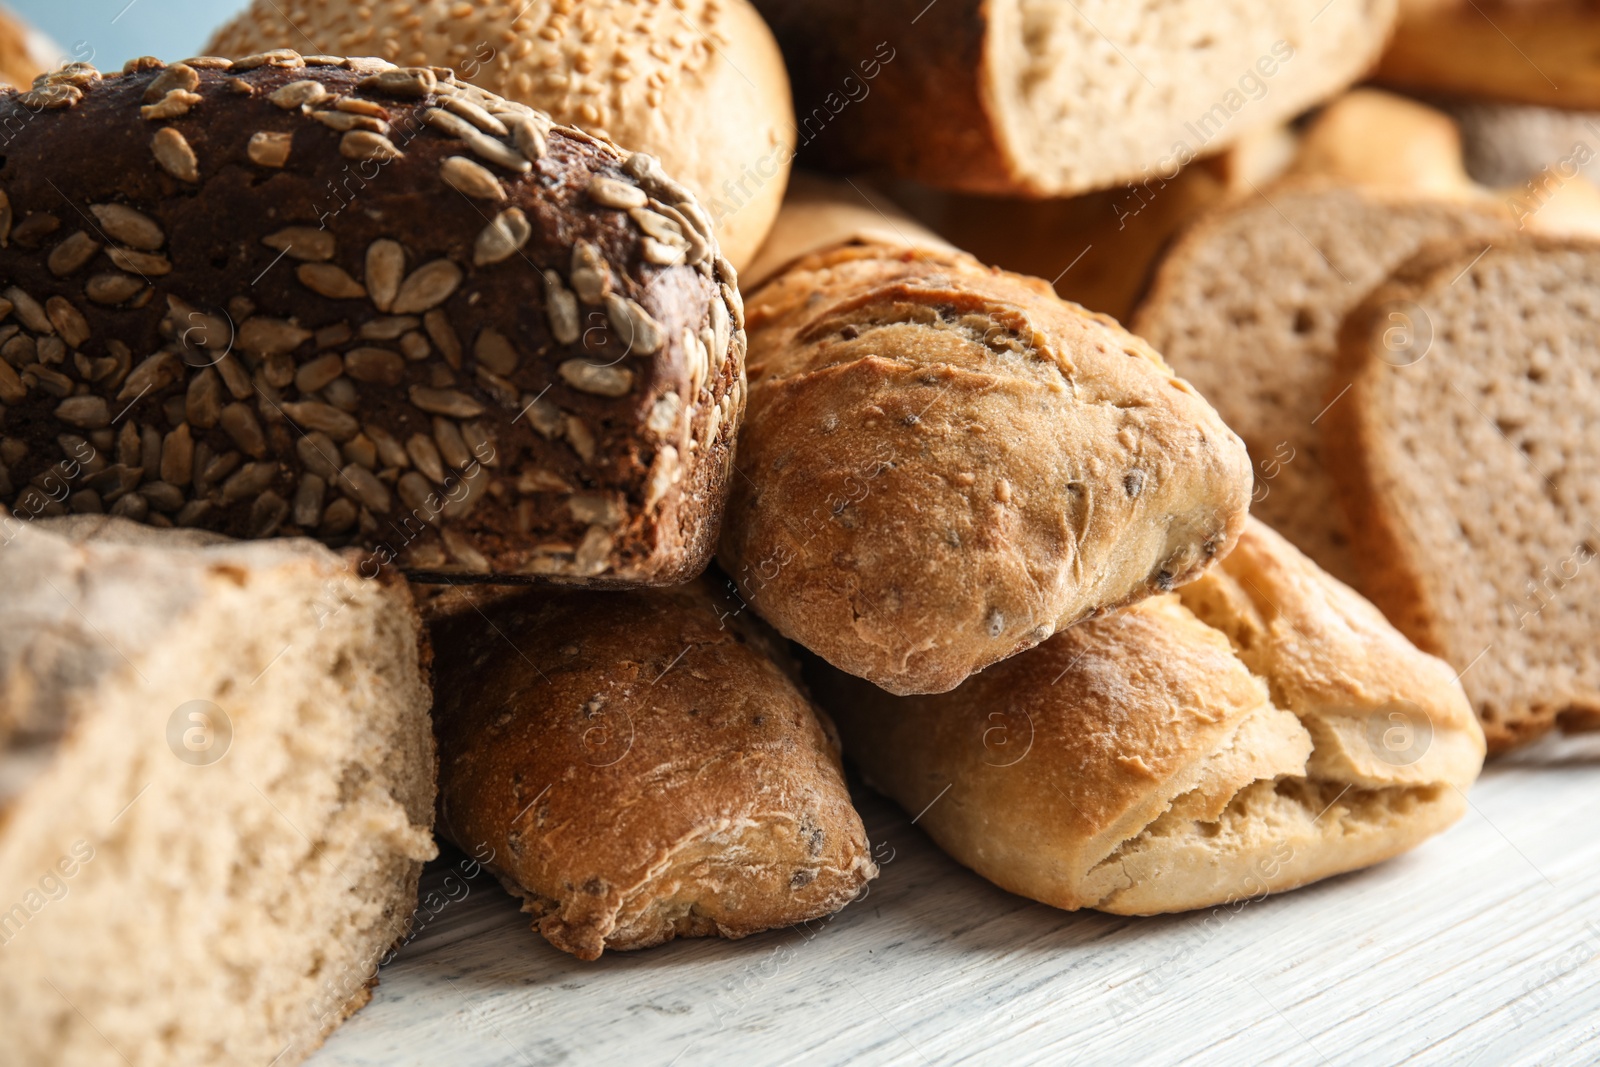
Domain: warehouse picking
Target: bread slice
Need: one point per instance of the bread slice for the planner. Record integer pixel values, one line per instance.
(216, 792)
(1263, 728)
(1247, 306)
(1469, 466)
(1043, 98)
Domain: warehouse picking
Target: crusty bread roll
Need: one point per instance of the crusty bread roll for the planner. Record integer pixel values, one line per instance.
(697, 83)
(216, 792)
(642, 769)
(1467, 457)
(25, 53)
(945, 464)
(365, 303)
(1261, 729)
(1040, 98)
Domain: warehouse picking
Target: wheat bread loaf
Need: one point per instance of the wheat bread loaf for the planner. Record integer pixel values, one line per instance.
(1260, 729)
(699, 84)
(1466, 455)
(642, 766)
(216, 792)
(374, 305)
(945, 464)
(1037, 98)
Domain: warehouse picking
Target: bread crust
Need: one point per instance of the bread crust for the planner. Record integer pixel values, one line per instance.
(945, 464)
(642, 768)
(369, 337)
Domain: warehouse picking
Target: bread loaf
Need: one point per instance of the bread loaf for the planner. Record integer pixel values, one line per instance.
(945, 464)
(1032, 98)
(1466, 453)
(642, 769)
(216, 792)
(25, 53)
(699, 84)
(1263, 728)
(370, 304)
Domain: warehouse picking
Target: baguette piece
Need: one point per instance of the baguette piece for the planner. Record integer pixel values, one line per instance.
(699, 84)
(1261, 729)
(216, 792)
(642, 768)
(945, 464)
(323, 296)
(1040, 98)
(1468, 464)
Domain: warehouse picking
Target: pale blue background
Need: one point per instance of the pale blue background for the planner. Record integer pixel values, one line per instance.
(108, 32)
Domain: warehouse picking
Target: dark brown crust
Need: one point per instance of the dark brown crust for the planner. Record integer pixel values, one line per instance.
(521, 525)
(932, 86)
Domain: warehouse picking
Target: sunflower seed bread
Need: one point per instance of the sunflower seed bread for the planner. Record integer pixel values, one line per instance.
(1262, 728)
(217, 786)
(944, 464)
(368, 304)
(1042, 98)
(699, 84)
(1467, 463)
(643, 767)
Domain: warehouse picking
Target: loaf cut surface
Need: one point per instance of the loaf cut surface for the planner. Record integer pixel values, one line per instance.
(944, 464)
(1261, 729)
(642, 767)
(368, 304)
(1470, 471)
(1041, 98)
(216, 792)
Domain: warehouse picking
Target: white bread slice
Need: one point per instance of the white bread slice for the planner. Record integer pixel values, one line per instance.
(1044, 98)
(1470, 468)
(183, 890)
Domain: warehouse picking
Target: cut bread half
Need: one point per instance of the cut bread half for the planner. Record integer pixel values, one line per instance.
(1469, 466)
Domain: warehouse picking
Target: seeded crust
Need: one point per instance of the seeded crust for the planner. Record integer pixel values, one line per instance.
(1531, 51)
(313, 296)
(1235, 739)
(225, 911)
(1248, 309)
(945, 464)
(699, 84)
(1040, 98)
(643, 768)
(1471, 473)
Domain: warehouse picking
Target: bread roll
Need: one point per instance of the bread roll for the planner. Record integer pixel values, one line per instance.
(642, 768)
(1261, 729)
(25, 53)
(1025, 97)
(697, 83)
(370, 304)
(945, 464)
(1466, 454)
(216, 792)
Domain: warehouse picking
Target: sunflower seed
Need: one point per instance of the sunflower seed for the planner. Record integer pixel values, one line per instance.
(263, 336)
(162, 496)
(664, 473)
(425, 454)
(444, 336)
(591, 277)
(608, 192)
(129, 444)
(367, 145)
(28, 311)
(83, 75)
(581, 438)
(308, 244)
(661, 254)
(358, 482)
(175, 104)
(657, 225)
(561, 307)
(340, 516)
(341, 393)
(68, 320)
(722, 332)
(313, 415)
(308, 500)
(53, 382)
(642, 334)
(427, 287)
(346, 121)
(600, 381)
(472, 179)
(267, 514)
(540, 480)
(318, 454)
(248, 481)
(174, 155)
(178, 76)
(319, 372)
(72, 253)
(85, 412)
(239, 86)
(410, 82)
(448, 124)
(357, 106)
(390, 452)
(269, 149)
(377, 366)
(415, 346)
(462, 506)
(698, 244)
(703, 343)
(388, 328)
(593, 554)
(730, 294)
(193, 513)
(486, 147)
(146, 264)
(592, 509)
(277, 370)
(464, 552)
(203, 403)
(502, 238)
(299, 94)
(86, 502)
(112, 288)
(133, 506)
(287, 58)
(35, 228)
(418, 495)
(664, 414)
(449, 402)
(476, 115)
(530, 138)
(234, 376)
(452, 446)
(333, 282)
(239, 423)
(495, 351)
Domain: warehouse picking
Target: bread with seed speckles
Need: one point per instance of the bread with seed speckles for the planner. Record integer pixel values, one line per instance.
(1043, 98)
(372, 305)
(944, 464)
(699, 84)
(642, 767)
(1260, 729)
(216, 792)
(1469, 466)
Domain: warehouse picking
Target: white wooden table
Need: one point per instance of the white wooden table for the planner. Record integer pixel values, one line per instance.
(1480, 948)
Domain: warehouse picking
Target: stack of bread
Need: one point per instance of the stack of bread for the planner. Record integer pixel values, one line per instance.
(335, 388)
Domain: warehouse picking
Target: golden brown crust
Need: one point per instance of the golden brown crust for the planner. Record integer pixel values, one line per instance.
(642, 768)
(22, 57)
(945, 464)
